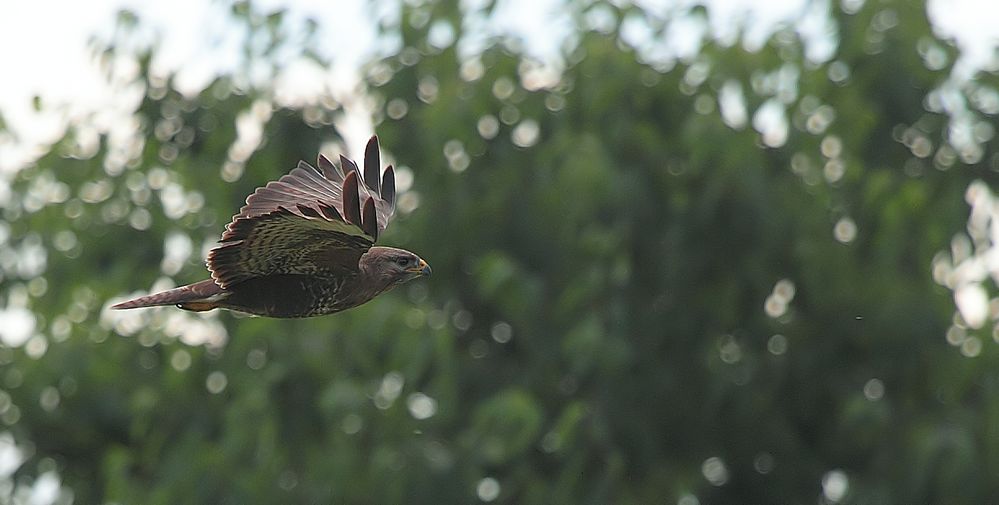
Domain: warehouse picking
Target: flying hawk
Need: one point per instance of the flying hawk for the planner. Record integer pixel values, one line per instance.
(303, 246)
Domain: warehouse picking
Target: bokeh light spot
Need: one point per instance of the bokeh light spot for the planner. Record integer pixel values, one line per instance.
(421, 406)
(256, 359)
(835, 485)
(180, 360)
(874, 389)
(526, 133)
(501, 332)
(488, 126)
(971, 347)
(351, 424)
(49, 398)
(397, 108)
(216, 382)
(845, 230)
(763, 463)
(488, 489)
(714, 471)
(777, 345)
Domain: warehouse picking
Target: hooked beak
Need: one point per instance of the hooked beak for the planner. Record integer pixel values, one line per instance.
(422, 268)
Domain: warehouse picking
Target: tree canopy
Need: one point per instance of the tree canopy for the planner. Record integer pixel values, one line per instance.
(723, 278)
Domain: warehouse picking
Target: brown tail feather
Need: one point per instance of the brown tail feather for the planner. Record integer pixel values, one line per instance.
(197, 297)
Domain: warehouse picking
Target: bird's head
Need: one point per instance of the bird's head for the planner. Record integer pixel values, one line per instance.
(394, 265)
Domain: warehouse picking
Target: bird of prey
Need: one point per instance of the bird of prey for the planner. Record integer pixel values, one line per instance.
(303, 246)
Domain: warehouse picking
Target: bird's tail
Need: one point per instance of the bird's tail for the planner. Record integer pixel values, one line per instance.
(198, 297)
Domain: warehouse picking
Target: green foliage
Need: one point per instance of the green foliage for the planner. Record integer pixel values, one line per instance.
(638, 297)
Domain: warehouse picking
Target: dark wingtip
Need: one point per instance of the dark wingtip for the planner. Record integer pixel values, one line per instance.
(370, 220)
(330, 212)
(388, 186)
(351, 203)
(329, 169)
(348, 165)
(372, 163)
(307, 211)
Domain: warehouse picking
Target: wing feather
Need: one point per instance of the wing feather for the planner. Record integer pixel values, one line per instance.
(372, 164)
(368, 220)
(285, 243)
(347, 165)
(363, 185)
(329, 170)
(315, 182)
(310, 183)
(309, 221)
(351, 203)
(388, 186)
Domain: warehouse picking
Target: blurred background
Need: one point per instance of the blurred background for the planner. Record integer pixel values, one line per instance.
(685, 254)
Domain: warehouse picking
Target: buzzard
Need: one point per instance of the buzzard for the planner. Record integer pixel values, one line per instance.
(303, 246)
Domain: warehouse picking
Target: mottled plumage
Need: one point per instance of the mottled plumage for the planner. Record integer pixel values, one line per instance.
(303, 246)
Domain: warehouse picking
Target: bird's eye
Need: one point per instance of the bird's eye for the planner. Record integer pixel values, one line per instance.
(403, 261)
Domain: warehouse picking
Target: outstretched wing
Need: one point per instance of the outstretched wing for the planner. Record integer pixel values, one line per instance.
(310, 221)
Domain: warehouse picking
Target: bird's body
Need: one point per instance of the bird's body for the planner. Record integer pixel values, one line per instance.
(302, 246)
